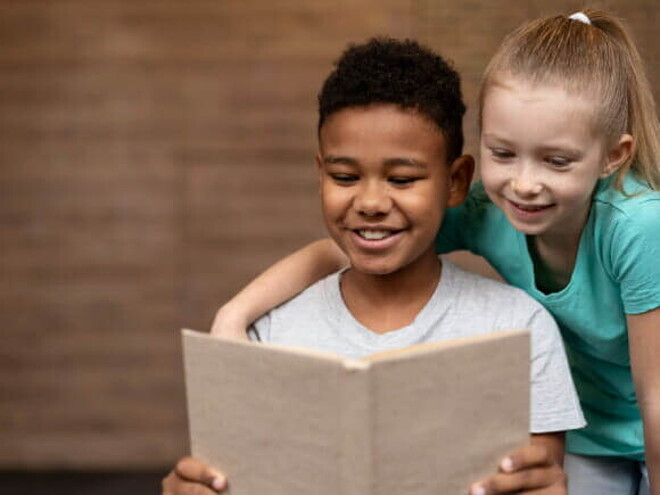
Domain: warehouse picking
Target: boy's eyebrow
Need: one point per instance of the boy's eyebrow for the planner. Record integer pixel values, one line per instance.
(409, 162)
(332, 159)
(390, 162)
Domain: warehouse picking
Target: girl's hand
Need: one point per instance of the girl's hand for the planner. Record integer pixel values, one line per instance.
(192, 477)
(535, 468)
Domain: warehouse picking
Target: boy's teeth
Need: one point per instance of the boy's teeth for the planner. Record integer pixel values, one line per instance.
(373, 234)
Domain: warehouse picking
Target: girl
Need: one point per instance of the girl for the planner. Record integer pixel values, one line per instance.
(568, 209)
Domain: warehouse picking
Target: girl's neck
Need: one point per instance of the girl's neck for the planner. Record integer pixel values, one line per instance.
(388, 302)
(554, 254)
(554, 260)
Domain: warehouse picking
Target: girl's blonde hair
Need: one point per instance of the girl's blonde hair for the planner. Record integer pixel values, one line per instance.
(599, 60)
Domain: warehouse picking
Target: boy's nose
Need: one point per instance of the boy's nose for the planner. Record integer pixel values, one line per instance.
(372, 199)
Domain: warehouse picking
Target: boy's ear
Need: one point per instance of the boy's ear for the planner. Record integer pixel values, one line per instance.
(618, 154)
(319, 167)
(460, 177)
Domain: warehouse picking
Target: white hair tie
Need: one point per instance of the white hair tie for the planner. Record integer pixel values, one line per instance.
(580, 16)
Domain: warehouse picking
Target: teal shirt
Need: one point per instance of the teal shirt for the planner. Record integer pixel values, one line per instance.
(617, 272)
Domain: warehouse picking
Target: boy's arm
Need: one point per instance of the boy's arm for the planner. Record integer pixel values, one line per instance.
(191, 476)
(277, 284)
(535, 468)
(644, 341)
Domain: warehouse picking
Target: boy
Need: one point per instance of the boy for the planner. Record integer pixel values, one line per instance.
(389, 165)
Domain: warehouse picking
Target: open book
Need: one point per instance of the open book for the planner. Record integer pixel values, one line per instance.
(428, 419)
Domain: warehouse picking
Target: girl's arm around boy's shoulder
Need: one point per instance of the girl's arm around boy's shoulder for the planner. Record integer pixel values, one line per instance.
(277, 284)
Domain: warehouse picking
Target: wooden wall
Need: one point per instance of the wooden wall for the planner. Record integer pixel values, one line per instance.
(154, 156)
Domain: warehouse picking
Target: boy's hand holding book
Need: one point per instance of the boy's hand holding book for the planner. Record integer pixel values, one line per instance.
(530, 469)
(191, 476)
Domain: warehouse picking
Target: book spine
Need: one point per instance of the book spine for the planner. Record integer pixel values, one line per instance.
(356, 461)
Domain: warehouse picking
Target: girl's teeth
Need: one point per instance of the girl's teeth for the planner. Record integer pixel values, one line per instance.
(373, 235)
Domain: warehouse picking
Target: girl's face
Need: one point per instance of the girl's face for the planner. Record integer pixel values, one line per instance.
(541, 156)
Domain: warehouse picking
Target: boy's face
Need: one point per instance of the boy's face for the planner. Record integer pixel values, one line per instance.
(385, 184)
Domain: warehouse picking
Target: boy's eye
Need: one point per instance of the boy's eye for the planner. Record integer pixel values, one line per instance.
(402, 181)
(344, 179)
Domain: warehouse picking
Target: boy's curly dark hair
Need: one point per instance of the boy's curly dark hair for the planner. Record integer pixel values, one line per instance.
(385, 70)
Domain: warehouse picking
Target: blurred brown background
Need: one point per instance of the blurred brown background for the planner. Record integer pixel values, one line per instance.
(154, 156)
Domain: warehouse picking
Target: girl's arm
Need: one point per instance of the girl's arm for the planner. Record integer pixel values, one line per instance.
(644, 341)
(277, 284)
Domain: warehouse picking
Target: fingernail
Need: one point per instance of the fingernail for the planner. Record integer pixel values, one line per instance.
(219, 482)
(477, 490)
(507, 464)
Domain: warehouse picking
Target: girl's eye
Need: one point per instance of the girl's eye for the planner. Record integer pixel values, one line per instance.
(344, 179)
(558, 161)
(501, 154)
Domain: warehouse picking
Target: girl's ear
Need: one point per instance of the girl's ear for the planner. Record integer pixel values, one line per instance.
(618, 154)
(460, 178)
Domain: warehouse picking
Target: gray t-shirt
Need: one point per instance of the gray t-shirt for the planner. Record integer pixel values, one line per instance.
(462, 305)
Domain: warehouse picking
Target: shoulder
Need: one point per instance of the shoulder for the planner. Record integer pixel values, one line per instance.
(313, 298)
(315, 301)
(495, 299)
(637, 205)
(627, 223)
(489, 305)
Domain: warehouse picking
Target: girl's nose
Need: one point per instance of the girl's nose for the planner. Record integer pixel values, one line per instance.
(526, 182)
(373, 200)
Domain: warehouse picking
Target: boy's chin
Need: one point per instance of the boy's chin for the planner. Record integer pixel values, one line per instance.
(375, 269)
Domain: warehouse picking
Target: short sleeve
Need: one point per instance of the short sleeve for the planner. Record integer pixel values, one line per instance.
(635, 255)
(260, 329)
(554, 401)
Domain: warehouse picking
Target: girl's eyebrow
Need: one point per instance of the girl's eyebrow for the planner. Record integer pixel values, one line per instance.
(496, 137)
(561, 149)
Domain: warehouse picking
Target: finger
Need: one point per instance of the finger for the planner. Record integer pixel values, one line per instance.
(525, 458)
(520, 481)
(174, 485)
(192, 469)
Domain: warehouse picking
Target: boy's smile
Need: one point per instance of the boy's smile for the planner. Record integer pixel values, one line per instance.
(384, 186)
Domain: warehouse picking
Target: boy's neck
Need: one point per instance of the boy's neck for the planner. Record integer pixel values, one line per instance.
(384, 303)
